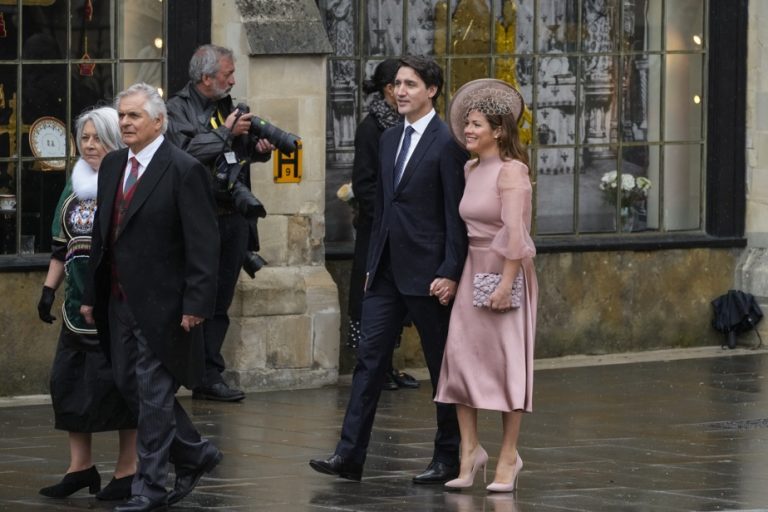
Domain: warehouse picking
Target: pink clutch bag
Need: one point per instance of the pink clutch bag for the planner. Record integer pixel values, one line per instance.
(484, 283)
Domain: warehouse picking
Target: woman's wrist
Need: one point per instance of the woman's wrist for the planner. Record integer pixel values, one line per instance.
(505, 286)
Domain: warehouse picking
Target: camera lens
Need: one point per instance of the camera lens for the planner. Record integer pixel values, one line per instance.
(253, 263)
(246, 203)
(286, 142)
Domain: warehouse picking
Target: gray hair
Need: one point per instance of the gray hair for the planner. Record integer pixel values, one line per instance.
(106, 124)
(154, 104)
(205, 61)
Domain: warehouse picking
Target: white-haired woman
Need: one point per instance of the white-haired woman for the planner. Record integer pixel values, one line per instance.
(84, 396)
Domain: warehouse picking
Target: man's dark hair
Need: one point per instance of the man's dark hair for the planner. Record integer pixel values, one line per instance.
(427, 69)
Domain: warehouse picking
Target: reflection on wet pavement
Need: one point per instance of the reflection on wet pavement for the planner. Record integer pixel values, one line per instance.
(652, 436)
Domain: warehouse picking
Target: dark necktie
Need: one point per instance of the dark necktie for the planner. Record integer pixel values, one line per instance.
(133, 176)
(400, 162)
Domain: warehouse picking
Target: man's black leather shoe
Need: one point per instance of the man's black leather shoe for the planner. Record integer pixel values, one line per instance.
(336, 465)
(389, 383)
(219, 392)
(188, 480)
(140, 504)
(437, 473)
(403, 380)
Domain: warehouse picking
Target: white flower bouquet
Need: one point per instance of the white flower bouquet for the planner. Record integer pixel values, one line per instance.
(346, 194)
(634, 190)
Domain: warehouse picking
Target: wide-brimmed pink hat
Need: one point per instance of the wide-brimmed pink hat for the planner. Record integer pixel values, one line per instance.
(486, 95)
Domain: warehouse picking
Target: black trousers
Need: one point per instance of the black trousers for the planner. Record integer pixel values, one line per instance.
(384, 309)
(165, 432)
(233, 244)
(357, 276)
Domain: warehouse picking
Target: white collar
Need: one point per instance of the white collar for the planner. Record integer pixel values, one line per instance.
(145, 155)
(85, 180)
(421, 125)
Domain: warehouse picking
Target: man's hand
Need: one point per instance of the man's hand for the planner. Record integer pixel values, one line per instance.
(190, 321)
(444, 289)
(264, 146)
(238, 122)
(87, 312)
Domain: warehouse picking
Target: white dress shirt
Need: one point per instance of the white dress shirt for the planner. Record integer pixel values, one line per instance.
(143, 157)
(418, 130)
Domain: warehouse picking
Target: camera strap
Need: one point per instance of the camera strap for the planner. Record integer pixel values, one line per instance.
(217, 119)
(228, 172)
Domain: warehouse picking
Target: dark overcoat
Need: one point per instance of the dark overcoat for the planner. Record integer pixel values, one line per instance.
(166, 254)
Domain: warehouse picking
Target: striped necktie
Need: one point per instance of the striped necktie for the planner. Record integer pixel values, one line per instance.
(133, 176)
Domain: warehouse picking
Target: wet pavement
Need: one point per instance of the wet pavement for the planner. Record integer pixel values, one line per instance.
(688, 434)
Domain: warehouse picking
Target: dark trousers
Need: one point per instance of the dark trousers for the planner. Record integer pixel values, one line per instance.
(357, 276)
(384, 309)
(165, 432)
(233, 244)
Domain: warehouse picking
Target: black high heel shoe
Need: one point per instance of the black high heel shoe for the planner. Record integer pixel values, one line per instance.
(73, 482)
(116, 489)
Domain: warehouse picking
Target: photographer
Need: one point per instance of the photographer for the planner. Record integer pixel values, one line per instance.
(204, 122)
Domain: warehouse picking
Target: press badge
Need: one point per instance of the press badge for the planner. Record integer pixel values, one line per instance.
(230, 157)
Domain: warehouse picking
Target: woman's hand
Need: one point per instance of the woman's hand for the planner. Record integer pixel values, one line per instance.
(87, 312)
(501, 299)
(444, 289)
(44, 305)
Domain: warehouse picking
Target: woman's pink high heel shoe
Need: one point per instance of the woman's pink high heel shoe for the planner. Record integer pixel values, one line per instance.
(497, 487)
(481, 461)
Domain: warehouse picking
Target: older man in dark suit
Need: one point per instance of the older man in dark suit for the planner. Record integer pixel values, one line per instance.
(153, 272)
(417, 251)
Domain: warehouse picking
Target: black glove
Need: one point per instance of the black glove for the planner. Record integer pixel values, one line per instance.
(44, 306)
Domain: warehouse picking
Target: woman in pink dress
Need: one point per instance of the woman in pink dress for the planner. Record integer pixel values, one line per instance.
(488, 361)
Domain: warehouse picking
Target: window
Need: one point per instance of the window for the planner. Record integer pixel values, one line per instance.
(57, 58)
(617, 90)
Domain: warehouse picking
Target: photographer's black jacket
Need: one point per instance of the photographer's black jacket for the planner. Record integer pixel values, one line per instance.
(189, 128)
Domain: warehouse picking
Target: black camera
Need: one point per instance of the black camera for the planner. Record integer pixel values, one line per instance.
(230, 188)
(245, 202)
(286, 142)
(253, 263)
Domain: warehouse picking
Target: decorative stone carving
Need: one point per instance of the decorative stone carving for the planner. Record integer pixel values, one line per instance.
(277, 27)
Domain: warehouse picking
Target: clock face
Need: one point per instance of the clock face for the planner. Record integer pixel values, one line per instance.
(48, 138)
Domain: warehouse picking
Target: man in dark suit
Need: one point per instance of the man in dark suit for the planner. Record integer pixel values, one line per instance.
(153, 282)
(417, 251)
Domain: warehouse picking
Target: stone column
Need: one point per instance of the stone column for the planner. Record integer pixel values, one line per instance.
(752, 271)
(598, 99)
(285, 322)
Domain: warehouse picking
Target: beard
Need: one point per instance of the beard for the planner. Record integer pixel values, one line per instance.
(220, 93)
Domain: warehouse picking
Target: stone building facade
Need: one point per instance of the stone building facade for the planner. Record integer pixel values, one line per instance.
(599, 294)
(285, 322)
(284, 328)
(752, 269)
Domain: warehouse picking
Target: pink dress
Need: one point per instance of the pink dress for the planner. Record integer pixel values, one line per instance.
(488, 360)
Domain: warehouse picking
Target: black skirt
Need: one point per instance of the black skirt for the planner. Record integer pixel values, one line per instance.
(83, 391)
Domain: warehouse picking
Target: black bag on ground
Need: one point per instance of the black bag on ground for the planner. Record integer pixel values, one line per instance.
(734, 313)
